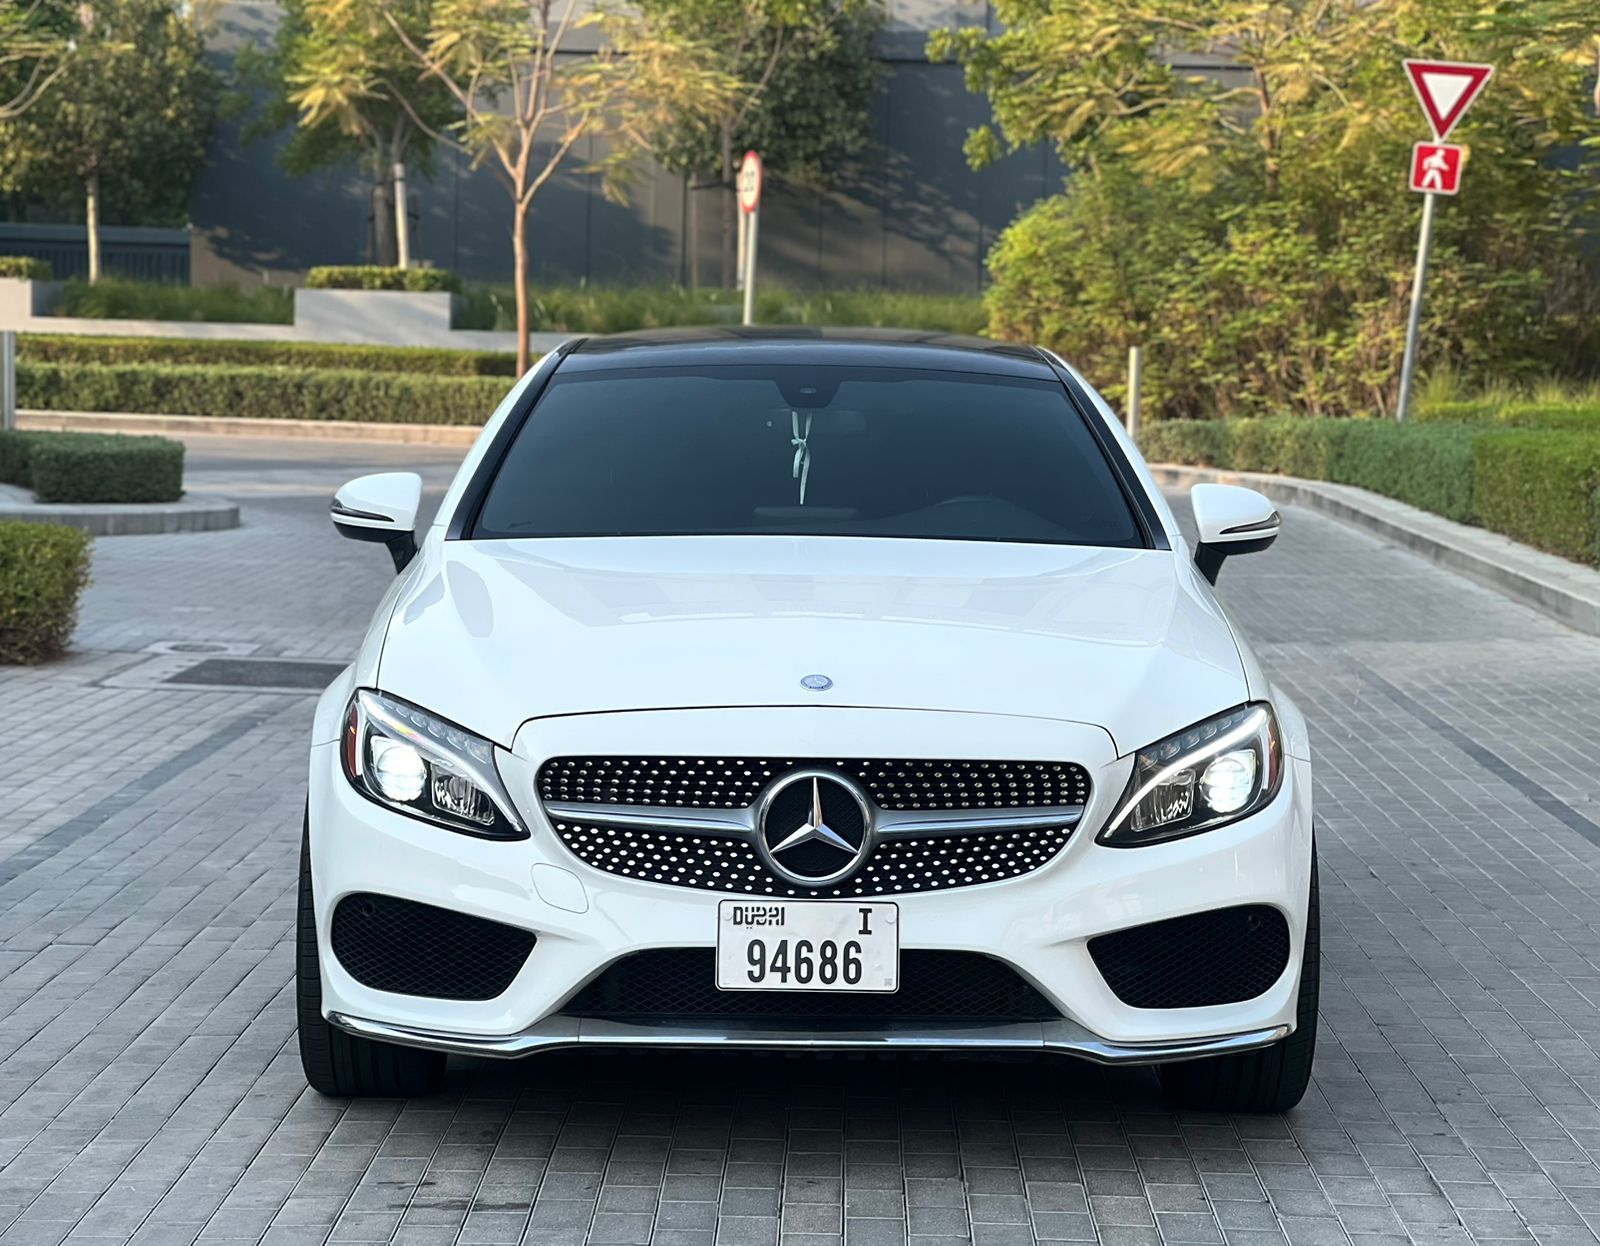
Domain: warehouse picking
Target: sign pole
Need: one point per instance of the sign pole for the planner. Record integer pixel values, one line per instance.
(749, 189)
(1409, 366)
(1135, 383)
(750, 266)
(8, 378)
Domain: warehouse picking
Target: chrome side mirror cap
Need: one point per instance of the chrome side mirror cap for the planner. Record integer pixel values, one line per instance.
(1231, 520)
(382, 507)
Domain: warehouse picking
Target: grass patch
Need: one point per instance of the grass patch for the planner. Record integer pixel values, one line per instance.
(148, 300)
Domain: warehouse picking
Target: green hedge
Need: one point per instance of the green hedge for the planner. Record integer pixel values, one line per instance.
(1426, 466)
(382, 277)
(260, 393)
(92, 467)
(63, 348)
(26, 267)
(1539, 487)
(43, 569)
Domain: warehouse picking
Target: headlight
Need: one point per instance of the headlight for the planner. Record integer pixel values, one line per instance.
(1213, 773)
(409, 760)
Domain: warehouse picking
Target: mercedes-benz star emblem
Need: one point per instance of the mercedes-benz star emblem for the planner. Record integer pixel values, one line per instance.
(814, 828)
(816, 683)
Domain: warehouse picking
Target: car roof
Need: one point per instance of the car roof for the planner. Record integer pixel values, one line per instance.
(804, 344)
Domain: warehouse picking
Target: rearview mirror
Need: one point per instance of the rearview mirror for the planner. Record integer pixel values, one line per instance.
(1231, 521)
(383, 508)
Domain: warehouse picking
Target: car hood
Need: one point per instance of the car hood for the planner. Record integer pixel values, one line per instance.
(491, 634)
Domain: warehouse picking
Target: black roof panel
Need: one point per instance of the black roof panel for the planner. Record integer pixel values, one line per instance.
(804, 344)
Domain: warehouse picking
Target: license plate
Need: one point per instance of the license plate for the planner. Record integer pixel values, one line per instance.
(807, 945)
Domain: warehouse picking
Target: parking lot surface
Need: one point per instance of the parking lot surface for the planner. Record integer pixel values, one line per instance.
(150, 1089)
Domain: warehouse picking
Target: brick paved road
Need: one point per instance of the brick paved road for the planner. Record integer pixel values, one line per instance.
(149, 1088)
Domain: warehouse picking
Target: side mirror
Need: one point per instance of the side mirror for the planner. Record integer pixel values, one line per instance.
(381, 508)
(1231, 521)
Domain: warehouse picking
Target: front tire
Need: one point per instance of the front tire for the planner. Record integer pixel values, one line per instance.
(1271, 1079)
(337, 1063)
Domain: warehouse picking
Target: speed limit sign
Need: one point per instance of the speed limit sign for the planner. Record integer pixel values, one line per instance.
(750, 182)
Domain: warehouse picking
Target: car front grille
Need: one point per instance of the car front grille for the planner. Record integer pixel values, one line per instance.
(390, 944)
(685, 857)
(735, 782)
(1221, 957)
(680, 984)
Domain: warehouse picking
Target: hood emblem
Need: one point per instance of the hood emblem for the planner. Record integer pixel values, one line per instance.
(813, 828)
(816, 683)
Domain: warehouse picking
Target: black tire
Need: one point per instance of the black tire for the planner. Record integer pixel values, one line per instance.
(337, 1063)
(1271, 1079)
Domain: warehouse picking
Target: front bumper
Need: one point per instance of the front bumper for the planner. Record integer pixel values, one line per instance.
(1063, 1037)
(585, 919)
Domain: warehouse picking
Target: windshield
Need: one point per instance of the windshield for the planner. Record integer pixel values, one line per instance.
(794, 450)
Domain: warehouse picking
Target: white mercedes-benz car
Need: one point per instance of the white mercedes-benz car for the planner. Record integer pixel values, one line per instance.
(814, 690)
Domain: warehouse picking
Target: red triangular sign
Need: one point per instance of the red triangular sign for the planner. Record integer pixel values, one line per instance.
(1446, 89)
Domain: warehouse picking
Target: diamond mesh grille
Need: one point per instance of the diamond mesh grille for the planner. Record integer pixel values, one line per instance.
(722, 863)
(934, 986)
(897, 866)
(734, 782)
(397, 945)
(1221, 957)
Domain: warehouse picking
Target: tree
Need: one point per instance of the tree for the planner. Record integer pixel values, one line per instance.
(124, 128)
(373, 122)
(804, 73)
(35, 42)
(523, 102)
(1274, 272)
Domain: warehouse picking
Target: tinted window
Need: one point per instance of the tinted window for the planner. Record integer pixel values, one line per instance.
(796, 450)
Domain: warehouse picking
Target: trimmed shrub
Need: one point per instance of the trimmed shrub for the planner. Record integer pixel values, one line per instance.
(435, 361)
(1567, 416)
(15, 448)
(1538, 486)
(1463, 411)
(1195, 443)
(1287, 445)
(106, 467)
(43, 569)
(1427, 466)
(260, 393)
(25, 267)
(383, 277)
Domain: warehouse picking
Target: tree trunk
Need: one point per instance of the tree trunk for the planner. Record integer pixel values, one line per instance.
(91, 217)
(730, 207)
(691, 228)
(519, 277)
(385, 247)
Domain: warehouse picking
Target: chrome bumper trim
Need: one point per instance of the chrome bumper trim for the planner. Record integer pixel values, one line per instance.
(1063, 1036)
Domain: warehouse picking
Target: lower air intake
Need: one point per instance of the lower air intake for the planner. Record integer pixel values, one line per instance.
(680, 983)
(1222, 957)
(397, 945)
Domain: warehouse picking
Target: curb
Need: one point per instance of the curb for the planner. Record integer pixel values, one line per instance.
(187, 425)
(1564, 590)
(195, 513)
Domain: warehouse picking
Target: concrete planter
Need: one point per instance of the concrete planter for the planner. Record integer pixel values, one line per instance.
(376, 317)
(22, 299)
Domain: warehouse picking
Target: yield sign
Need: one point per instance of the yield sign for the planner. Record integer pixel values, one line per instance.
(1446, 89)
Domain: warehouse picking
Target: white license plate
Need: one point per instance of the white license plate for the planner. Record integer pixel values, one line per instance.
(807, 945)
